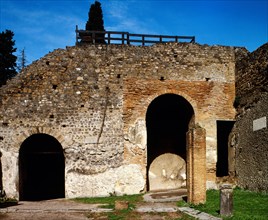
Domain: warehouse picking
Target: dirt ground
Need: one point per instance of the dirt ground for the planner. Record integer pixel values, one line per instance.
(43, 216)
(87, 216)
(70, 210)
(64, 209)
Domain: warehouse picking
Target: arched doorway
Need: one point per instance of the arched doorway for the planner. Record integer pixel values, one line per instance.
(41, 168)
(167, 121)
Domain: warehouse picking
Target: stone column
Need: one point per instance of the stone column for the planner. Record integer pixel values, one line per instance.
(226, 200)
(1, 175)
(196, 165)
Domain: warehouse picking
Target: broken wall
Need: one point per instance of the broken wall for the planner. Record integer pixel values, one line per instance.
(248, 153)
(93, 99)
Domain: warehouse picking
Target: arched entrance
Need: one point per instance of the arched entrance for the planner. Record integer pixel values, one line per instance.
(167, 121)
(41, 168)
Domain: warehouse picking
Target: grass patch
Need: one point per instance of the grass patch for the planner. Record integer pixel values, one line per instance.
(6, 202)
(247, 205)
(127, 214)
(109, 201)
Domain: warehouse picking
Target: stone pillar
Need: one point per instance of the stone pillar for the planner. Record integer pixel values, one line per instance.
(226, 200)
(196, 165)
(1, 174)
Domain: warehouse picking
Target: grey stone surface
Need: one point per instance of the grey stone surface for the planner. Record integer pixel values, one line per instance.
(197, 214)
(259, 123)
(226, 200)
(248, 141)
(165, 196)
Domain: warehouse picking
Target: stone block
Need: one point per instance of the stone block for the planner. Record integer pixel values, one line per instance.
(121, 205)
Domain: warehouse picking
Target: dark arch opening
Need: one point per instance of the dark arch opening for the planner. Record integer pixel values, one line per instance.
(41, 168)
(167, 121)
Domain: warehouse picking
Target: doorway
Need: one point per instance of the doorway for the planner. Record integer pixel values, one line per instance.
(167, 121)
(41, 168)
(224, 129)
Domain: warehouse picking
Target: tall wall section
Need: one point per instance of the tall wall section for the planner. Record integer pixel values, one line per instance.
(93, 99)
(249, 140)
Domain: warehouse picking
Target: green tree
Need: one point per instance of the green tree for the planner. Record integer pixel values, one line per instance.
(21, 60)
(95, 21)
(7, 58)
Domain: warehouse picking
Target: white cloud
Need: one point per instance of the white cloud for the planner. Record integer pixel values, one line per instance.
(120, 17)
(40, 30)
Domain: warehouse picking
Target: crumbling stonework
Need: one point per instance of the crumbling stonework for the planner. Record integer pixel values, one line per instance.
(248, 153)
(93, 99)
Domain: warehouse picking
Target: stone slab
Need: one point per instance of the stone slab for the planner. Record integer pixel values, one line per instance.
(259, 124)
(197, 214)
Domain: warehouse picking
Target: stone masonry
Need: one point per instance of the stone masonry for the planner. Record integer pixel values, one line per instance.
(93, 99)
(248, 148)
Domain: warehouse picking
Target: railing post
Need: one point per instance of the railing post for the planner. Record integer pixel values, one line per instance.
(123, 38)
(76, 34)
(109, 38)
(128, 42)
(93, 37)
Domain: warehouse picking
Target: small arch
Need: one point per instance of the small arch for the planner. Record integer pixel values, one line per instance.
(41, 168)
(57, 134)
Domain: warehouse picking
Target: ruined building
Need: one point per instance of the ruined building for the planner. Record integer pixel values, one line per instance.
(96, 120)
(248, 147)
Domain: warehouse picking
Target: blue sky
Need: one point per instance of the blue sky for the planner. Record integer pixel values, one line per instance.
(40, 26)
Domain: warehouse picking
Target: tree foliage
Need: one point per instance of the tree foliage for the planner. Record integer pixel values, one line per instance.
(21, 60)
(95, 18)
(7, 58)
(95, 21)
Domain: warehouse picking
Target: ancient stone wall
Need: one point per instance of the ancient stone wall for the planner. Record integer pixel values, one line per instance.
(248, 159)
(93, 99)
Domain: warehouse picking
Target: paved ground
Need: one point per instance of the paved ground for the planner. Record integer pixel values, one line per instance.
(64, 209)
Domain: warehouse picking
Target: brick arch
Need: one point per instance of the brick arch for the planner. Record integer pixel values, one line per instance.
(45, 130)
(137, 123)
(195, 151)
(175, 139)
(188, 98)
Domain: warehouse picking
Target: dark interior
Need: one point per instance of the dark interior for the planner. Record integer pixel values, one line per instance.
(41, 168)
(223, 131)
(167, 122)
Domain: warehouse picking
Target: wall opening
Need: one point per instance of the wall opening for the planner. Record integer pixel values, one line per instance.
(41, 168)
(167, 121)
(224, 129)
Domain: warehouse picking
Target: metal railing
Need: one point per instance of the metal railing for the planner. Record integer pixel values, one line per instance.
(116, 37)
